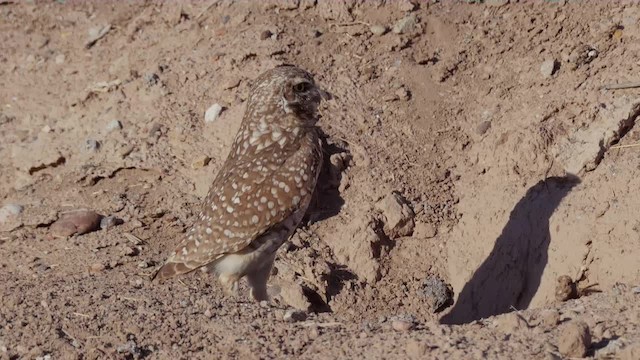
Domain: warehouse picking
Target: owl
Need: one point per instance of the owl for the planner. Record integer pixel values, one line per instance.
(263, 189)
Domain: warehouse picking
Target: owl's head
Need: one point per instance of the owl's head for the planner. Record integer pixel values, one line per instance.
(291, 89)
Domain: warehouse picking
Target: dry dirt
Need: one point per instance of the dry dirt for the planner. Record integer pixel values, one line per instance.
(474, 147)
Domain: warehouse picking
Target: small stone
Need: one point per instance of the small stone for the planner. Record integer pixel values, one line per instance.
(92, 145)
(200, 162)
(97, 267)
(510, 323)
(294, 315)
(438, 293)
(76, 222)
(403, 94)
(46, 129)
(316, 33)
(548, 68)
(212, 113)
(402, 325)
(565, 288)
(10, 210)
(108, 222)
(265, 35)
(60, 59)
(114, 125)
(483, 127)
(208, 313)
(398, 215)
(405, 24)
(231, 84)
(143, 264)
(378, 30)
(407, 5)
(575, 339)
(549, 318)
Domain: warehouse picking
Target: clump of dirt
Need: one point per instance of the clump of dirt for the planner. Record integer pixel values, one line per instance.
(476, 153)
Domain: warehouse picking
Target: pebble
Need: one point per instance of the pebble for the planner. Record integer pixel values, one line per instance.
(212, 113)
(575, 339)
(509, 323)
(378, 30)
(398, 215)
(548, 68)
(403, 94)
(92, 145)
(549, 318)
(143, 265)
(407, 5)
(208, 313)
(109, 222)
(60, 58)
(565, 288)
(200, 162)
(402, 325)
(405, 24)
(10, 210)
(265, 35)
(483, 127)
(114, 125)
(438, 293)
(97, 267)
(76, 222)
(294, 315)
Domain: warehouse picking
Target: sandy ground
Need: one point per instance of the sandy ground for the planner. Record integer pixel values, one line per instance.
(476, 154)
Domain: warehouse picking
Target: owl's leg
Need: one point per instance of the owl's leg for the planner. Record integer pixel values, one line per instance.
(229, 283)
(258, 278)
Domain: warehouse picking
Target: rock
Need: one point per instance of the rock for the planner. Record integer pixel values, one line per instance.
(398, 216)
(403, 322)
(575, 339)
(548, 68)
(378, 30)
(631, 352)
(565, 288)
(438, 293)
(405, 24)
(293, 294)
(294, 315)
(113, 125)
(108, 222)
(200, 162)
(265, 35)
(60, 58)
(612, 350)
(97, 267)
(401, 325)
(549, 318)
(10, 210)
(76, 222)
(483, 127)
(212, 113)
(509, 323)
(407, 5)
(92, 145)
(403, 94)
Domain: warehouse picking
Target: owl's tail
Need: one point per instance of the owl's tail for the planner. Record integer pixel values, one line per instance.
(171, 269)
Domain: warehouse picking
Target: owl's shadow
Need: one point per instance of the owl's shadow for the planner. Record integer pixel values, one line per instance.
(326, 201)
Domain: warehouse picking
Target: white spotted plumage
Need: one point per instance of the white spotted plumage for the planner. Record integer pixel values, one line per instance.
(262, 191)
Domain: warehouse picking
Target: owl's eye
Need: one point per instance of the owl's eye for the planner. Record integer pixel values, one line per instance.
(302, 87)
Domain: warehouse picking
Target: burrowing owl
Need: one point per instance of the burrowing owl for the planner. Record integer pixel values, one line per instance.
(264, 187)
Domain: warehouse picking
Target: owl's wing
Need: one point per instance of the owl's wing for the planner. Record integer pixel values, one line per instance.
(245, 201)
